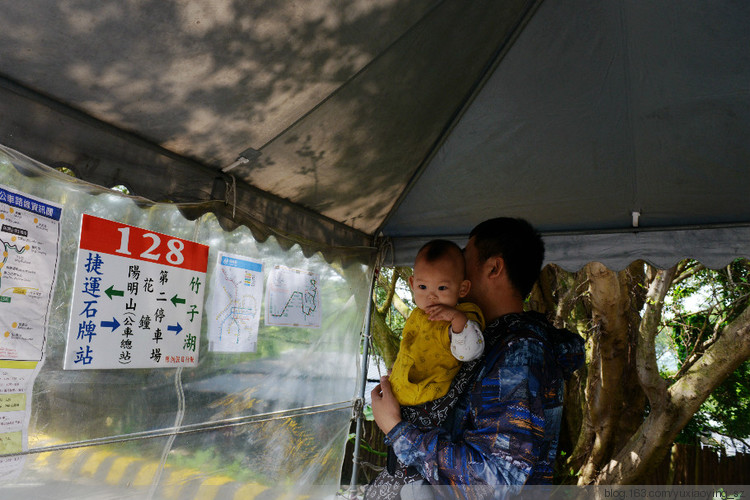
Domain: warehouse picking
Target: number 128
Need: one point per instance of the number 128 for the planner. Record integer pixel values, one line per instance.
(174, 255)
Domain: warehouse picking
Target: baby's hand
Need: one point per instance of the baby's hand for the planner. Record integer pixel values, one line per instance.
(441, 312)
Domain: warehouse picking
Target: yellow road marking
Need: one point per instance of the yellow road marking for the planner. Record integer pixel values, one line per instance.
(145, 476)
(176, 480)
(208, 489)
(67, 457)
(250, 490)
(211, 486)
(118, 468)
(41, 459)
(94, 461)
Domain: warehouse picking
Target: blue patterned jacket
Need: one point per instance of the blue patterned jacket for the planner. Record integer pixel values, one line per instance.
(505, 429)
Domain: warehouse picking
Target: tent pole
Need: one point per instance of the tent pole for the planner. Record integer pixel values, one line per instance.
(360, 403)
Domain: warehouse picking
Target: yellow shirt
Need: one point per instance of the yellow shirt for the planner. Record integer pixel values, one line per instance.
(425, 367)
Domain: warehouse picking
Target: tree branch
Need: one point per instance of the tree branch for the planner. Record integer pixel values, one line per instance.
(383, 339)
(648, 370)
(395, 300)
(390, 291)
(684, 272)
(684, 397)
(716, 363)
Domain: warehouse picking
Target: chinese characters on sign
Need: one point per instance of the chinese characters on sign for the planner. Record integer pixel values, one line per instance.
(29, 242)
(138, 298)
(29, 239)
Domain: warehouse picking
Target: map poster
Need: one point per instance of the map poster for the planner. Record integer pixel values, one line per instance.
(137, 298)
(293, 298)
(235, 304)
(29, 240)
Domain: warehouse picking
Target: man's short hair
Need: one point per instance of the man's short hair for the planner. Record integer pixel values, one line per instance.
(518, 243)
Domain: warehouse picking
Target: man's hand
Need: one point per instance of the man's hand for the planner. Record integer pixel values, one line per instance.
(385, 407)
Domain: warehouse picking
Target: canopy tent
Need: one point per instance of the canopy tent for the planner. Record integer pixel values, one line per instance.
(619, 129)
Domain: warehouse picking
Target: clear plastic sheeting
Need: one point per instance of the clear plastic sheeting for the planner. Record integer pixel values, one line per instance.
(239, 425)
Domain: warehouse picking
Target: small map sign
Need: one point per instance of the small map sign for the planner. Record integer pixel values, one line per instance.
(29, 242)
(235, 304)
(29, 239)
(138, 298)
(293, 298)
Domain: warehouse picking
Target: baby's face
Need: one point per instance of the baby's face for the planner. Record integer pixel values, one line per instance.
(436, 282)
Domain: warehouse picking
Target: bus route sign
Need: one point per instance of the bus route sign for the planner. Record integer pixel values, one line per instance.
(138, 298)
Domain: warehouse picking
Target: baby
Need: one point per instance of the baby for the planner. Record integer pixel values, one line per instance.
(440, 332)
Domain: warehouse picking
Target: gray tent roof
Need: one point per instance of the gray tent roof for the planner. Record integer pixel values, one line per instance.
(620, 129)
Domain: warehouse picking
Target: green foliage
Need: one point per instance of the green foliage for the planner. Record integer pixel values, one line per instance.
(394, 319)
(729, 404)
(367, 447)
(697, 427)
(393, 303)
(368, 413)
(727, 294)
(689, 332)
(209, 459)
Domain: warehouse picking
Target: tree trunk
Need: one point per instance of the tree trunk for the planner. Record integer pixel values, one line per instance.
(613, 395)
(672, 408)
(387, 345)
(628, 416)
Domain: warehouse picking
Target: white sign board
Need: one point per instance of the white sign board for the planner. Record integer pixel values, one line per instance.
(29, 240)
(293, 298)
(137, 300)
(16, 388)
(235, 304)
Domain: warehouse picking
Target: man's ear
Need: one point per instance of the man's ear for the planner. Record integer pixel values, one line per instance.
(496, 265)
(464, 288)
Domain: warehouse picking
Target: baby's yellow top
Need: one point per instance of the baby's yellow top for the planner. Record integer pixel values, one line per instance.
(425, 367)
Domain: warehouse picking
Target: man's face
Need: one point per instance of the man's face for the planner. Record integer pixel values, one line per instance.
(474, 272)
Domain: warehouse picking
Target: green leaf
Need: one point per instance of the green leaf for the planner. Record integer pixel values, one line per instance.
(366, 446)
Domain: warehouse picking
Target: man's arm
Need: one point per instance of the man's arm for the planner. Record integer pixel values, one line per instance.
(504, 441)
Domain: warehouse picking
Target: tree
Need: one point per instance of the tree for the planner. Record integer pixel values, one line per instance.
(623, 414)
(627, 414)
(727, 410)
(389, 312)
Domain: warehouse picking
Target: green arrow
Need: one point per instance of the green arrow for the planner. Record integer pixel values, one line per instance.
(111, 291)
(176, 300)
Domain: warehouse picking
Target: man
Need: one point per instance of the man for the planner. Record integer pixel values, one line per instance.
(502, 428)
